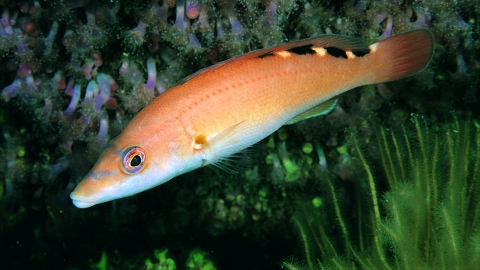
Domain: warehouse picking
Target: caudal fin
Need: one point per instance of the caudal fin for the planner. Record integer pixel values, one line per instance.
(403, 55)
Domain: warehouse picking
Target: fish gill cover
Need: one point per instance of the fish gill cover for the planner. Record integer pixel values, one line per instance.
(73, 73)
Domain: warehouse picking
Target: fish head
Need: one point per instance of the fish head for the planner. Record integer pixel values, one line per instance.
(126, 167)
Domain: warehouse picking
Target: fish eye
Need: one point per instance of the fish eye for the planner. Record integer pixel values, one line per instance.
(133, 159)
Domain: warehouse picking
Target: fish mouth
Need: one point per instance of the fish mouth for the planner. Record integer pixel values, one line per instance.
(85, 202)
(95, 188)
(80, 203)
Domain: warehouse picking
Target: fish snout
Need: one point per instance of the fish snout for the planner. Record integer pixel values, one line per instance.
(95, 188)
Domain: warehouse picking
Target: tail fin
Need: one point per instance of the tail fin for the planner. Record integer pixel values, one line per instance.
(404, 54)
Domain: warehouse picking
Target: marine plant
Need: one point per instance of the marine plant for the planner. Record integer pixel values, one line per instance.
(427, 216)
(164, 262)
(197, 259)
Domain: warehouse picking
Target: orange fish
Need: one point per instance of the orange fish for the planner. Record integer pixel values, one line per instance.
(217, 112)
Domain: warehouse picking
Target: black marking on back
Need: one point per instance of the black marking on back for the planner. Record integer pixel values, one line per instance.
(266, 55)
(336, 52)
(360, 53)
(302, 50)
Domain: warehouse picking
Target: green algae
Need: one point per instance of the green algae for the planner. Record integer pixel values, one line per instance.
(428, 216)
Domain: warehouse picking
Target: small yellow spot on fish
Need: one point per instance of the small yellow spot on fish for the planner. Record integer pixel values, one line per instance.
(200, 140)
(350, 54)
(373, 47)
(283, 54)
(320, 51)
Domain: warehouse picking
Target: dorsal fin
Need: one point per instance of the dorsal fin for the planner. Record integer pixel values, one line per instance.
(318, 110)
(332, 42)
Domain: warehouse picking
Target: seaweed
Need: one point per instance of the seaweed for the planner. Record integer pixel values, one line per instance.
(415, 204)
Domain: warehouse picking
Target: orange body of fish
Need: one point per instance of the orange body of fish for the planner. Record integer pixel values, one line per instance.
(230, 106)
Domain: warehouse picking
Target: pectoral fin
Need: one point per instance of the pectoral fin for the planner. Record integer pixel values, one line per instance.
(236, 155)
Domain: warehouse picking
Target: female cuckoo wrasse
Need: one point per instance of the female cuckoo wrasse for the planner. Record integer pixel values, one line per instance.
(217, 112)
